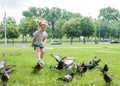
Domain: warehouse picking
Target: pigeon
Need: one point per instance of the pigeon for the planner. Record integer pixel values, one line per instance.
(37, 68)
(2, 64)
(68, 63)
(104, 69)
(8, 69)
(91, 65)
(63, 62)
(94, 60)
(58, 58)
(59, 66)
(81, 65)
(74, 68)
(5, 77)
(107, 78)
(67, 78)
(82, 69)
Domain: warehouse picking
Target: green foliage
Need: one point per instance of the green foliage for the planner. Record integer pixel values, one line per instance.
(11, 28)
(12, 32)
(87, 27)
(109, 14)
(72, 28)
(116, 26)
(28, 26)
(105, 29)
(49, 32)
(58, 33)
(52, 15)
(24, 57)
(10, 21)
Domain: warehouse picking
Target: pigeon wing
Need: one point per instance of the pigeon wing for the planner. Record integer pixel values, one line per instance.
(56, 57)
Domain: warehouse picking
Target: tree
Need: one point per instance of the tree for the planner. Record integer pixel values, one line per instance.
(1, 30)
(52, 15)
(23, 27)
(11, 28)
(49, 32)
(28, 26)
(58, 33)
(115, 32)
(104, 29)
(87, 27)
(72, 28)
(109, 14)
(12, 33)
(32, 27)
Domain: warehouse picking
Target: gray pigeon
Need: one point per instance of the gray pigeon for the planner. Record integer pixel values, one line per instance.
(56, 57)
(94, 60)
(82, 69)
(91, 65)
(5, 77)
(67, 78)
(37, 68)
(107, 78)
(104, 69)
(8, 69)
(2, 64)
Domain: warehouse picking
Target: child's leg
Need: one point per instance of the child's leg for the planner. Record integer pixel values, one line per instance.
(42, 53)
(38, 54)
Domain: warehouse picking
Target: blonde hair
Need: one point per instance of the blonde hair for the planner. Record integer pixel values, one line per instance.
(39, 23)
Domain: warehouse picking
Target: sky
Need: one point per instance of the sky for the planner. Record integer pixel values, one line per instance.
(89, 8)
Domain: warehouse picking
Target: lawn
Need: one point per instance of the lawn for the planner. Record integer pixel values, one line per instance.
(24, 58)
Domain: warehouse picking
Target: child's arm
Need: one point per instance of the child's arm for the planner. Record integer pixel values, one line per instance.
(33, 40)
(44, 40)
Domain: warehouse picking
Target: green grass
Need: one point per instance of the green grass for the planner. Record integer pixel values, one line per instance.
(24, 57)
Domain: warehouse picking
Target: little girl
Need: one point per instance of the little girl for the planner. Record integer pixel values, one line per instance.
(39, 40)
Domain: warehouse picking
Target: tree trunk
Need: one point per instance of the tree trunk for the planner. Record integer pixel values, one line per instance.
(53, 30)
(23, 38)
(118, 35)
(12, 41)
(71, 40)
(61, 39)
(7, 40)
(79, 39)
(84, 40)
(96, 42)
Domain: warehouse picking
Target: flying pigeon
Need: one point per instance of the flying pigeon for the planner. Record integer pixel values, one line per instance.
(107, 78)
(67, 78)
(58, 58)
(68, 63)
(104, 69)
(59, 66)
(63, 62)
(8, 69)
